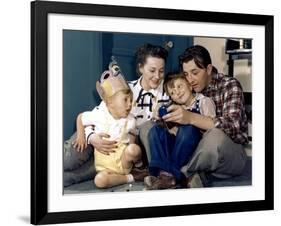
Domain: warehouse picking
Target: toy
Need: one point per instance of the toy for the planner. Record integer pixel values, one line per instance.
(163, 110)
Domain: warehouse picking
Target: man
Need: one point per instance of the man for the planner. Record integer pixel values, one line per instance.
(220, 151)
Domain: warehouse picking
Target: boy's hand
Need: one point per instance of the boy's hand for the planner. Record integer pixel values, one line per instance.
(103, 146)
(80, 143)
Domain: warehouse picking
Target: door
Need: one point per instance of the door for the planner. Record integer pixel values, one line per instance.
(86, 54)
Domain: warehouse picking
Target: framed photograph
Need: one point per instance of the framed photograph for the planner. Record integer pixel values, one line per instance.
(73, 43)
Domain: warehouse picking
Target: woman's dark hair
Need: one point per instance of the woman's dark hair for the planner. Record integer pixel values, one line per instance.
(148, 50)
(199, 54)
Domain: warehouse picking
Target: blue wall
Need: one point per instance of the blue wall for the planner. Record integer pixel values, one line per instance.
(86, 54)
(80, 70)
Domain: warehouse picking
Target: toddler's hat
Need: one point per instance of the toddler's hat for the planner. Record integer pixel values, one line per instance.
(111, 81)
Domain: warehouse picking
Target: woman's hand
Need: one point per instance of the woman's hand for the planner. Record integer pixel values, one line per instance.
(103, 146)
(80, 143)
(177, 114)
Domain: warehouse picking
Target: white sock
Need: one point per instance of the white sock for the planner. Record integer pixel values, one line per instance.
(138, 163)
(130, 178)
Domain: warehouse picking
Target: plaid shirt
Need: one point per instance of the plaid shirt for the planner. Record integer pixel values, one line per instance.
(227, 94)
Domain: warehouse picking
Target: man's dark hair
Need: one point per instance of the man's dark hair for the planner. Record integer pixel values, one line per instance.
(199, 54)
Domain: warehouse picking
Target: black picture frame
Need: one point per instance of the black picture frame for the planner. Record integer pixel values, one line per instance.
(39, 112)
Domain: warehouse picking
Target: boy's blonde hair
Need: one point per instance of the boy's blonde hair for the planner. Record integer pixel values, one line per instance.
(170, 80)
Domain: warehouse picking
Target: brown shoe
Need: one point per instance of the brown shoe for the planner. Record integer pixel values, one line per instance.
(149, 180)
(162, 182)
(139, 174)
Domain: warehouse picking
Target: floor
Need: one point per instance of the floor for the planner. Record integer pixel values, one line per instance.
(210, 181)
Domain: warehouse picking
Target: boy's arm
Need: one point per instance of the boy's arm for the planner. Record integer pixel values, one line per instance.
(80, 142)
(79, 126)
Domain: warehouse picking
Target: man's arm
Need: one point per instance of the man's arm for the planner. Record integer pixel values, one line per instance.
(233, 120)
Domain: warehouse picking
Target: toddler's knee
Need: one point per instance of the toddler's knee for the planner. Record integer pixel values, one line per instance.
(133, 151)
(101, 180)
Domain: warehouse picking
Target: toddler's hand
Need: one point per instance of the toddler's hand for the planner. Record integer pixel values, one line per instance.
(80, 143)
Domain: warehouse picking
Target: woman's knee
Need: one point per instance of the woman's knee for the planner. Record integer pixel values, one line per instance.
(145, 129)
(101, 180)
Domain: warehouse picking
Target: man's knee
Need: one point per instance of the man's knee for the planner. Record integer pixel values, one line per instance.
(217, 151)
(208, 159)
(215, 136)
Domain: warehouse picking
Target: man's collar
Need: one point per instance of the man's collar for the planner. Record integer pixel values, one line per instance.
(213, 85)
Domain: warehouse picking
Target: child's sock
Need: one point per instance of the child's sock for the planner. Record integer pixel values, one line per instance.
(138, 164)
(130, 178)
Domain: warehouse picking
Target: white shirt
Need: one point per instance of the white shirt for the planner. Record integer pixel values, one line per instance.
(104, 123)
(146, 101)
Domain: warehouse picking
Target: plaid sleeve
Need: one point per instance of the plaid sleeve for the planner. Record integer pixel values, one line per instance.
(232, 105)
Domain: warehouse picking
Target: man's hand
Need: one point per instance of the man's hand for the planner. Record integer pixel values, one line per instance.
(177, 114)
(103, 146)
